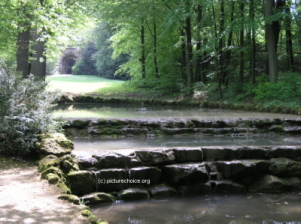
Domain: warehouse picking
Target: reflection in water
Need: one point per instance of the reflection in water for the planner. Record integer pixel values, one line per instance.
(94, 145)
(251, 208)
(140, 112)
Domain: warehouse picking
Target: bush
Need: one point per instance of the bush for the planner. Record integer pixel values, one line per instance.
(25, 112)
(287, 89)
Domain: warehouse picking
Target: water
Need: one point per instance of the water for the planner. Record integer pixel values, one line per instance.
(215, 209)
(92, 146)
(139, 112)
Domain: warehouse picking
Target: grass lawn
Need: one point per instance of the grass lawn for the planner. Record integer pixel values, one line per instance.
(83, 84)
(88, 84)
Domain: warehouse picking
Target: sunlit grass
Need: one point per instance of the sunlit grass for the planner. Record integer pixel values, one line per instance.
(82, 83)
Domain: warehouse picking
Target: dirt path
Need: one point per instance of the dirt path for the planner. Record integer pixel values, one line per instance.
(25, 198)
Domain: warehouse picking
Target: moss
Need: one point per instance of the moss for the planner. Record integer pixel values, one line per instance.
(64, 189)
(48, 161)
(53, 178)
(53, 170)
(70, 198)
(86, 213)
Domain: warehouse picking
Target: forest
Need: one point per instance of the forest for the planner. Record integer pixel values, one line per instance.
(222, 50)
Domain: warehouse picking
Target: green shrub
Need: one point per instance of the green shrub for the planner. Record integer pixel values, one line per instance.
(287, 89)
(25, 112)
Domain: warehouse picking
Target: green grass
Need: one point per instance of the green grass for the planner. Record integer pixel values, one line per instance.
(107, 88)
(83, 83)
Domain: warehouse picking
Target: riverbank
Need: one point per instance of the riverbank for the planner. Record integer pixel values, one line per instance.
(25, 198)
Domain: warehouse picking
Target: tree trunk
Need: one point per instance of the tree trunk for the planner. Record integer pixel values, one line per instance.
(198, 70)
(142, 38)
(221, 76)
(23, 43)
(253, 43)
(155, 50)
(230, 37)
(38, 63)
(271, 30)
(288, 35)
(189, 52)
(183, 54)
(242, 53)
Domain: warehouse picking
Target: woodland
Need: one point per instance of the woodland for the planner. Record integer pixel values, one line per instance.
(232, 50)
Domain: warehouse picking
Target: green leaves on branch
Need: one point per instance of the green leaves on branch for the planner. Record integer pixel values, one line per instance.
(25, 112)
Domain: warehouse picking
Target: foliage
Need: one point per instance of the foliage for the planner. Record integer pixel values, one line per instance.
(287, 89)
(86, 64)
(24, 113)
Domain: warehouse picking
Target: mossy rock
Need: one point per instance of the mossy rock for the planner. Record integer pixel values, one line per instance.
(69, 163)
(53, 178)
(53, 170)
(132, 194)
(64, 189)
(81, 182)
(97, 199)
(70, 198)
(54, 144)
(48, 161)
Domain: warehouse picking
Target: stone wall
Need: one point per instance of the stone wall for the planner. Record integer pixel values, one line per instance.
(166, 172)
(153, 128)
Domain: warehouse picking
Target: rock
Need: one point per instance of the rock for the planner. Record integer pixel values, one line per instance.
(292, 129)
(227, 186)
(97, 198)
(79, 124)
(85, 162)
(112, 160)
(64, 189)
(81, 182)
(196, 189)
(109, 180)
(285, 167)
(52, 178)
(242, 168)
(132, 194)
(269, 184)
(48, 161)
(290, 152)
(53, 170)
(188, 155)
(218, 153)
(155, 157)
(70, 198)
(162, 191)
(54, 144)
(184, 174)
(68, 163)
(145, 176)
(253, 152)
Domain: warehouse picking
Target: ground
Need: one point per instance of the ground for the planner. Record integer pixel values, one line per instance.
(25, 198)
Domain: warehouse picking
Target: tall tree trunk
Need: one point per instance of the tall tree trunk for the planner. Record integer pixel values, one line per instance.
(271, 30)
(253, 42)
(221, 76)
(155, 50)
(38, 63)
(183, 54)
(198, 69)
(23, 43)
(229, 43)
(143, 57)
(242, 53)
(288, 35)
(190, 79)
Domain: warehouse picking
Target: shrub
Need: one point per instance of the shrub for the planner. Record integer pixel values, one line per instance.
(25, 112)
(287, 89)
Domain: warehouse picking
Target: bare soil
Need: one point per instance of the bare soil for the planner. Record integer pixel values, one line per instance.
(25, 198)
